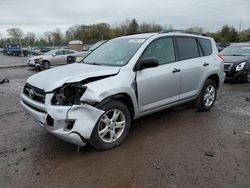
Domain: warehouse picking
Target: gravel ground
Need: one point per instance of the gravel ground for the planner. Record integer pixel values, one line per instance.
(178, 147)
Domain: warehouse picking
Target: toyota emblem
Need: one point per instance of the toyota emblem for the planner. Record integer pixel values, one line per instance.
(31, 93)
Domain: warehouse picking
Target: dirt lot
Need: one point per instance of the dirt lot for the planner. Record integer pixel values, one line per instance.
(179, 147)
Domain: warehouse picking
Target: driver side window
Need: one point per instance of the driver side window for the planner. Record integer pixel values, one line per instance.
(162, 49)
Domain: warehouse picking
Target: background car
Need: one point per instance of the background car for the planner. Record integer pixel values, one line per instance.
(34, 51)
(53, 57)
(221, 45)
(79, 56)
(237, 62)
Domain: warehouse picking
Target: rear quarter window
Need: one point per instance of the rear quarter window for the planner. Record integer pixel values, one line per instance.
(206, 46)
(187, 48)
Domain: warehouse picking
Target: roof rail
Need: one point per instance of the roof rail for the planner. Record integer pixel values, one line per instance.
(183, 31)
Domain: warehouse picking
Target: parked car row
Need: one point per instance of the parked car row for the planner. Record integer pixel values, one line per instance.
(58, 56)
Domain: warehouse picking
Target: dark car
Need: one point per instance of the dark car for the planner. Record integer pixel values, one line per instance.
(237, 62)
(77, 57)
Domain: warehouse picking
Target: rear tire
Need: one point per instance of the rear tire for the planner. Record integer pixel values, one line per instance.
(207, 96)
(113, 126)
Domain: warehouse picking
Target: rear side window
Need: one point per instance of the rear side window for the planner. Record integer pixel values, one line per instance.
(206, 46)
(162, 49)
(59, 52)
(68, 52)
(187, 48)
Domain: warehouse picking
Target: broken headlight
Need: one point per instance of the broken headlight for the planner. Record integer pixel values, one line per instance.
(69, 94)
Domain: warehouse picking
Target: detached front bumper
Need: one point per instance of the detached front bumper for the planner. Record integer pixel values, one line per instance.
(31, 63)
(70, 123)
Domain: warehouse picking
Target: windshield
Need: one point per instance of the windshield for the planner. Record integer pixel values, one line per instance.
(236, 51)
(116, 52)
(96, 45)
(50, 52)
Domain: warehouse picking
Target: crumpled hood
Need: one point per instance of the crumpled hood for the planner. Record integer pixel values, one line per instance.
(76, 72)
(36, 57)
(235, 59)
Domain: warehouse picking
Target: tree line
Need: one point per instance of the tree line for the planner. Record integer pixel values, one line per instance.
(90, 34)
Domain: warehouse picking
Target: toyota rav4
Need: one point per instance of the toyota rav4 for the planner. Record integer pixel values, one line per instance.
(124, 79)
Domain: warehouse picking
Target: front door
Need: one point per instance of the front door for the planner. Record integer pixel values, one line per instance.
(159, 86)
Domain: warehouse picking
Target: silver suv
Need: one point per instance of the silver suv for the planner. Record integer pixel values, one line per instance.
(126, 78)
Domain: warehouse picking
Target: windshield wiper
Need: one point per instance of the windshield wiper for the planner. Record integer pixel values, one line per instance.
(237, 55)
(93, 63)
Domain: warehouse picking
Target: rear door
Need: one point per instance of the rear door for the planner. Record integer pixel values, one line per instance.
(58, 58)
(160, 85)
(66, 54)
(193, 65)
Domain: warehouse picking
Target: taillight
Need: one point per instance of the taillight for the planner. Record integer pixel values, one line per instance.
(221, 57)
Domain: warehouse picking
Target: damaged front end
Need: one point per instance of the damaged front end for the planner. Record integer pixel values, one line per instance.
(61, 112)
(65, 101)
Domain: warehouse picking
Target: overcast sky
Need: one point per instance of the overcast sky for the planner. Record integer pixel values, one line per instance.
(44, 15)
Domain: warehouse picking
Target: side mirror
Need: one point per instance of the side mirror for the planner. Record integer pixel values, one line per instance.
(54, 54)
(148, 62)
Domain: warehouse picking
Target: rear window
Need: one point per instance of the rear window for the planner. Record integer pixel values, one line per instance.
(206, 46)
(187, 48)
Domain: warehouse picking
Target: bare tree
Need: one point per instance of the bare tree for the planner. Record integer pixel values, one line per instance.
(30, 38)
(57, 36)
(48, 36)
(15, 34)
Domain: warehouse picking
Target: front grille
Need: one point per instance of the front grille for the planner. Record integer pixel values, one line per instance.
(34, 93)
(34, 108)
(227, 66)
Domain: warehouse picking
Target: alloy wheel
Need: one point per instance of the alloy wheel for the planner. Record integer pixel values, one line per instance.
(111, 125)
(209, 95)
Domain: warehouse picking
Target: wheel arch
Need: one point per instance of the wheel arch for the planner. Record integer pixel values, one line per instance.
(215, 78)
(46, 60)
(122, 97)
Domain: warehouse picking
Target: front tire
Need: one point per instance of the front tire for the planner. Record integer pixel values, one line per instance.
(46, 65)
(207, 96)
(247, 79)
(113, 126)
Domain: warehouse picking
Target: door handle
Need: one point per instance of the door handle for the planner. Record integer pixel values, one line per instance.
(205, 64)
(176, 70)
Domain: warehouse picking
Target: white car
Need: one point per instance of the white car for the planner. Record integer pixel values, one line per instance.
(53, 57)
